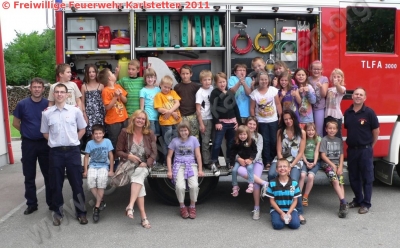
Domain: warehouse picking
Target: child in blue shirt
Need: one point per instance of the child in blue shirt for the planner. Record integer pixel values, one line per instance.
(283, 193)
(101, 166)
(147, 95)
(241, 86)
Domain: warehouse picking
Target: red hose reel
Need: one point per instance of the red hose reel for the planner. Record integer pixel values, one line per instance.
(249, 46)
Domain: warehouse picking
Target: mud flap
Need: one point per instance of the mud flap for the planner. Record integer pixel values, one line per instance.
(384, 171)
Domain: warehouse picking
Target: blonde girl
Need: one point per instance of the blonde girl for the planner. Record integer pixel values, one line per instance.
(244, 148)
(288, 93)
(320, 84)
(146, 101)
(266, 107)
(333, 98)
(310, 159)
(307, 95)
(279, 68)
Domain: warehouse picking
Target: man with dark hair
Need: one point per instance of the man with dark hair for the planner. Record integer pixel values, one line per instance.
(362, 127)
(27, 118)
(59, 126)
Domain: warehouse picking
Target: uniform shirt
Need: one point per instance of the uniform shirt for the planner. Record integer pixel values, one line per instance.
(30, 114)
(187, 92)
(62, 125)
(360, 125)
(283, 194)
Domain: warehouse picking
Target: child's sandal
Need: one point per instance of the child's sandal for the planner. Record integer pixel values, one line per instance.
(129, 213)
(146, 223)
(235, 191)
(250, 188)
(305, 202)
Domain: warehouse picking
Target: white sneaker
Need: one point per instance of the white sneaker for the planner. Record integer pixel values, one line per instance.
(256, 214)
(215, 170)
(264, 190)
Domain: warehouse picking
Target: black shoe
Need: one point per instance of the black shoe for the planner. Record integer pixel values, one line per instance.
(103, 205)
(56, 219)
(96, 214)
(343, 210)
(82, 220)
(30, 210)
(354, 204)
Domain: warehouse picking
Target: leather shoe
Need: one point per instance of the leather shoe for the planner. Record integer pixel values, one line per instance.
(353, 204)
(363, 210)
(30, 210)
(56, 220)
(82, 220)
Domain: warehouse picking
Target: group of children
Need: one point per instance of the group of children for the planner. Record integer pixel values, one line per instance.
(204, 112)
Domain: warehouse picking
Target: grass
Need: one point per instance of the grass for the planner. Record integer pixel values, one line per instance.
(14, 132)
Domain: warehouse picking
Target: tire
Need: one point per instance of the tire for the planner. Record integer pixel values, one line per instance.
(165, 190)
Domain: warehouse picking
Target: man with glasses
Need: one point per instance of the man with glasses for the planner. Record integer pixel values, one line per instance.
(27, 115)
(63, 126)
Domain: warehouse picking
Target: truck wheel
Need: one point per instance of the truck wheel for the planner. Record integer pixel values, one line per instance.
(165, 190)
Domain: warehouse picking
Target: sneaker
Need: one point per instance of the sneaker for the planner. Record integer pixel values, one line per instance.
(184, 212)
(192, 213)
(264, 190)
(343, 210)
(96, 214)
(215, 170)
(305, 202)
(256, 214)
(103, 205)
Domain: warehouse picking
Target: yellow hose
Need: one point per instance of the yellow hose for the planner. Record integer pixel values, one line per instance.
(266, 49)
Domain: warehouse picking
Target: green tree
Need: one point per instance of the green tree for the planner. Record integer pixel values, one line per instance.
(30, 55)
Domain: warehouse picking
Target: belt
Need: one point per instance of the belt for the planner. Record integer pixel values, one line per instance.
(359, 147)
(64, 148)
(41, 139)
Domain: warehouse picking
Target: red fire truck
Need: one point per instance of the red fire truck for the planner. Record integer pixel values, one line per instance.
(360, 37)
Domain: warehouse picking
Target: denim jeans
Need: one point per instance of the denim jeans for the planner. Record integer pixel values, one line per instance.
(314, 169)
(228, 131)
(168, 133)
(295, 175)
(278, 223)
(268, 132)
(250, 173)
(155, 127)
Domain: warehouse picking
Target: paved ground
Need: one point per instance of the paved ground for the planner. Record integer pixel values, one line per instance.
(223, 221)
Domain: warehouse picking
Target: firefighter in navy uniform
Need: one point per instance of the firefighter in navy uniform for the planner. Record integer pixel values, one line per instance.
(63, 126)
(362, 127)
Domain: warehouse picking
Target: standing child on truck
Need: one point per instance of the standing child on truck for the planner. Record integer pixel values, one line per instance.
(320, 84)
(333, 98)
(241, 86)
(132, 85)
(63, 71)
(114, 98)
(283, 193)
(279, 68)
(288, 93)
(258, 65)
(203, 110)
(307, 95)
(167, 103)
(101, 166)
(244, 147)
(332, 163)
(147, 95)
(187, 91)
(187, 151)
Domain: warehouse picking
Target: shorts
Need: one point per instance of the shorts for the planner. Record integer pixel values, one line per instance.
(331, 174)
(313, 170)
(97, 178)
(138, 176)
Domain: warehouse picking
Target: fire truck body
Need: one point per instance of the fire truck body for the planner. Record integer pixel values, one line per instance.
(361, 38)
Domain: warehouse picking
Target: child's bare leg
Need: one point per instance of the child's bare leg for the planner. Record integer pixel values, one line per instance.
(338, 189)
(99, 197)
(310, 184)
(95, 194)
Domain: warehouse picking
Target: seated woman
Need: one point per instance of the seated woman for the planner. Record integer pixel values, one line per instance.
(291, 142)
(137, 144)
(252, 124)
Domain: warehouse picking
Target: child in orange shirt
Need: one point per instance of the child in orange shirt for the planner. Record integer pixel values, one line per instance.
(167, 104)
(114, 98)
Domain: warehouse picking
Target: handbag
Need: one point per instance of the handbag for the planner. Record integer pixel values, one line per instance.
(122, 174)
